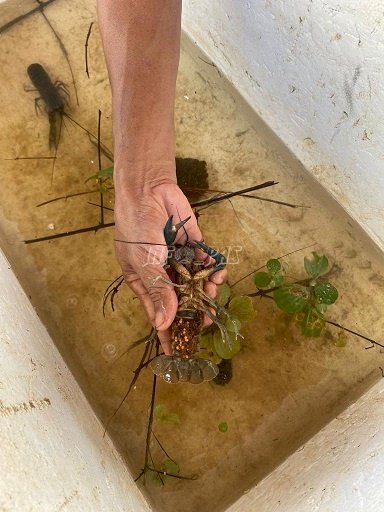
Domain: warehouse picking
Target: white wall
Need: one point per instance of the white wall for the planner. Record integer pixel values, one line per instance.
(314, 71)
(53, 456)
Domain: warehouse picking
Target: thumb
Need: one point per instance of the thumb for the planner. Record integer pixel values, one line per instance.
(162, 294)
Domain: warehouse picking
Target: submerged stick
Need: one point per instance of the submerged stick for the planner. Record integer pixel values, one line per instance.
(99, 165)
(22, 17)
(86, 48)
(110, 224)
(279, 258)
(111, 291)
(63, 49)
(146, 355)
(70, 233)
(85, 192)
(232, 194)
(355, 333)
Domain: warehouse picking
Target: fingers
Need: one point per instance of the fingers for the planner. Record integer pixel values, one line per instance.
(165, 340)
(219, 277)
(152, 299)
(157, 296)
(210, 289)
(136, 285)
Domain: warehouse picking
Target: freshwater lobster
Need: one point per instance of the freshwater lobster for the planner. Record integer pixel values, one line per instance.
(54, 95)
(184, 365)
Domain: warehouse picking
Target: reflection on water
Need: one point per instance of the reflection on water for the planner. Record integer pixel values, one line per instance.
(283, 388)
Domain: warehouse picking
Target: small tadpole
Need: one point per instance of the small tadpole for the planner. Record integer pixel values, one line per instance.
(382, 371)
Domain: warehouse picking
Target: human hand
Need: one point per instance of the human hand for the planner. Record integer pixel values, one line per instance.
(142, 218)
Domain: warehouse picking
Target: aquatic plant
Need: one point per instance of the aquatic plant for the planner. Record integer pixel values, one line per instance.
(307, 300)
(162, 415)
(101, 178)
(235, 312)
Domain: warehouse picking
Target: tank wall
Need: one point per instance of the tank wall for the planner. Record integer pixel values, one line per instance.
(53, 455)
(312, 70)
(336, 470)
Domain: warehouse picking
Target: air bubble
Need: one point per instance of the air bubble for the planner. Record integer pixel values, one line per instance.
(72, 302)
(109, 350)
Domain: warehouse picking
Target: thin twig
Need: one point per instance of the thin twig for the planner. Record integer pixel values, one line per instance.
(279, 258)
(150, 418)
(85, 192)
(22, 17)
(98, 205)
(339, 326)
(160, 472)
(232, 194)
(96, 228)
(132, 346)
(283, 203)
(275, 201)
(31, 158)
(99, 162)
(110, 224)
(90, 134)
(86, 48)
(162, 447)
(64, 50)
(146, 354)
(111, 291)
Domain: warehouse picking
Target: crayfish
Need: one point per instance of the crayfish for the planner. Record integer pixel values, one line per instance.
(184, 365)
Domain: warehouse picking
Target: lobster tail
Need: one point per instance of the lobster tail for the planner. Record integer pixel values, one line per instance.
(173, 369)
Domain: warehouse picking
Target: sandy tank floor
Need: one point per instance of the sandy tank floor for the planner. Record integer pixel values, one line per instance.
(284, 387)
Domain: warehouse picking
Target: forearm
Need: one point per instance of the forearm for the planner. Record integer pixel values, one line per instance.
(141, 40)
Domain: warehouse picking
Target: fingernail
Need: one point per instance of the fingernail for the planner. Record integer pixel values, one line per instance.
(159, 319)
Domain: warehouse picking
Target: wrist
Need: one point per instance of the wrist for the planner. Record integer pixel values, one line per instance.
(138, 180)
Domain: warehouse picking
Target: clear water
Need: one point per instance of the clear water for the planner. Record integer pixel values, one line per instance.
(284, 387)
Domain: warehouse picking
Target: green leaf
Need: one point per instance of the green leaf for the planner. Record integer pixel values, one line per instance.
(206, 340)
(162, 415)
(168, 466)
(233, 324)
(223, 426)
(341, 340)
(207, 350)
(93, 177)
(102, 188)
(326, 293)
(273, 266)
(152, 477)
(241, 307)
(262, 279)
(292, 298)
(316, 265)
(313, 323)
(221, 347)
(105, 173)
(277, 280)
(171, 467)
(223, 295)
(321, 308)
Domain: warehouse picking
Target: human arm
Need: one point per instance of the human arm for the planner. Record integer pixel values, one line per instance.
(141, 40)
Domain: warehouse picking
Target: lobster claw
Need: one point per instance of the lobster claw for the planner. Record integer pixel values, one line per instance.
(170, 229)
(219, 258)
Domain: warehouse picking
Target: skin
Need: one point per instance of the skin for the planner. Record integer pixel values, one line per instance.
(141, 40)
